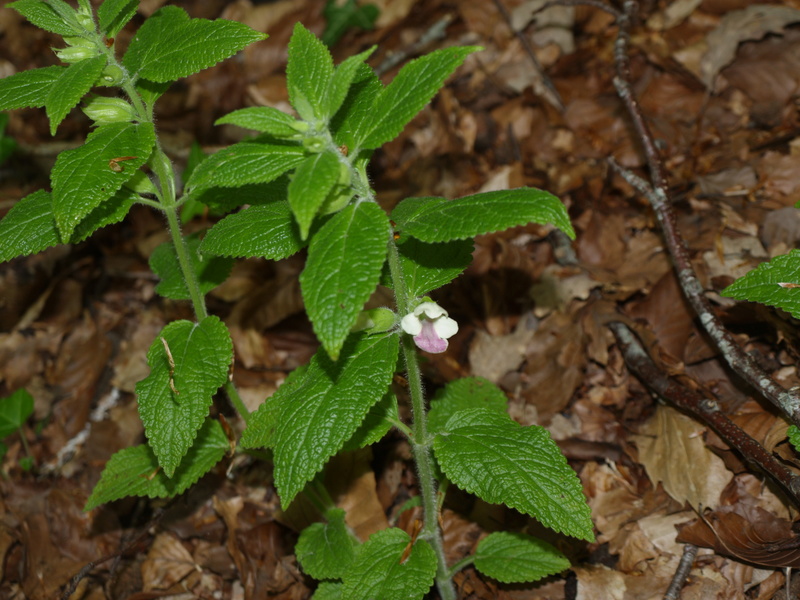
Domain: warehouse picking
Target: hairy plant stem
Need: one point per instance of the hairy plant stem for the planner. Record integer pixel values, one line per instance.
(420, 441)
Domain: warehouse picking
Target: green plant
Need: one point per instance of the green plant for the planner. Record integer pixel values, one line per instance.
(14, 411)
(7, 144)
(305, 183)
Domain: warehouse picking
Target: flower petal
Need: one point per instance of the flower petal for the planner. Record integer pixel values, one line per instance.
(445, 327)
(429, 340)
(431, 310)
(411, 324)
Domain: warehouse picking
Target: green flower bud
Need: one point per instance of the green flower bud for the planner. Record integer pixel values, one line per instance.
(79, 42)
(314, 144)
(141, 184)
(86, 22)
(74, 54)
(300, 126)
(374, 320)
(109, 110)
(111, 75)
(339, 197)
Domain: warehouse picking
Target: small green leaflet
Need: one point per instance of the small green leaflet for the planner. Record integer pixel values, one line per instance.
(325, 550)
(463, 394)
(355, 115)
(342, 79)
(14, 411)
(440, 220)
(311, 183)
(188, 363)
(516, 557)
(308, 74)
(266, 231)
(408, 93)
(244, 163)
(135, 472)
(30, 227)
(427, 267)
(82, 178)
(264, 119)
(170, 45)
(45, 17)
(343, 16)
(378, 573)
(487, 454)
(28, 89)
(343, 269)
(794, 437)
(210, 270)
(114, 14)
(324, 409)
(775, 283)
(73, 83)
(223, 200)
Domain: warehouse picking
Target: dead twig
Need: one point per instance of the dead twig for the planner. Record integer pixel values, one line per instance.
(657, 193)
(704, 409)
(547, 88)
(681, 573)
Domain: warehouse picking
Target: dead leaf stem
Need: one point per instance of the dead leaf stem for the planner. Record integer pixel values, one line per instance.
(703, 409)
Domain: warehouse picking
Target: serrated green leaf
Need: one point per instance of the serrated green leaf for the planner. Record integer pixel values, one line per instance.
(409, 92)
(771, 283)
(150, 91)
(328, 590)
(28, 89)
(463, 394)
(324, 409)
(308, 74)
(210, 271)
(82, 178)
(170, 45)
(343, 16)
(379, 420)
(246, 163)
(73, 83)
(311, 183)
(516, 557)
(223, 200)
(354, 119)
(28, 227)
(343, 269)
(202, 353)
(342, 79)
(325, 550)
(267, 231)
(264, 119)
(440, 220)
(260, 432)
(14, 411)
(43, 16)
(427, 267)
(135, 472)
(487, 454)
(378, 573)
(114, 14)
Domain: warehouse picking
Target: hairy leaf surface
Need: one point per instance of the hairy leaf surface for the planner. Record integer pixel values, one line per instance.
(72, 84)
(325, 550)
(112, 15)
(515, 557)
(201, 353)
(344, 266)
(487, 454)
(463, 394)
(308, 74)
(775, 283)
(28, 89)
(211, 271)
(311, 183)
(45, 17)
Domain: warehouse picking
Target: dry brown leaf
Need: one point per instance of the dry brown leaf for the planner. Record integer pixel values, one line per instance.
(167, 563)
(672, 450)
(752, 23)
(750, 534)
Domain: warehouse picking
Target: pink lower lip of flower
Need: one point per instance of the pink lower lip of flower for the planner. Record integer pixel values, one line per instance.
(429, 340)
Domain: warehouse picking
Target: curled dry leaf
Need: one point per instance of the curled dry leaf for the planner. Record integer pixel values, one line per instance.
(756, 536)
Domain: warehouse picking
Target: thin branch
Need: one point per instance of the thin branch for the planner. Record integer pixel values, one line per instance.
(704, 409)
(548, 89)
(681, 573)
(657, 193)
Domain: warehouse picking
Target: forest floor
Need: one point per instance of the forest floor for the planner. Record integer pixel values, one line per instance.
(718, 82)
